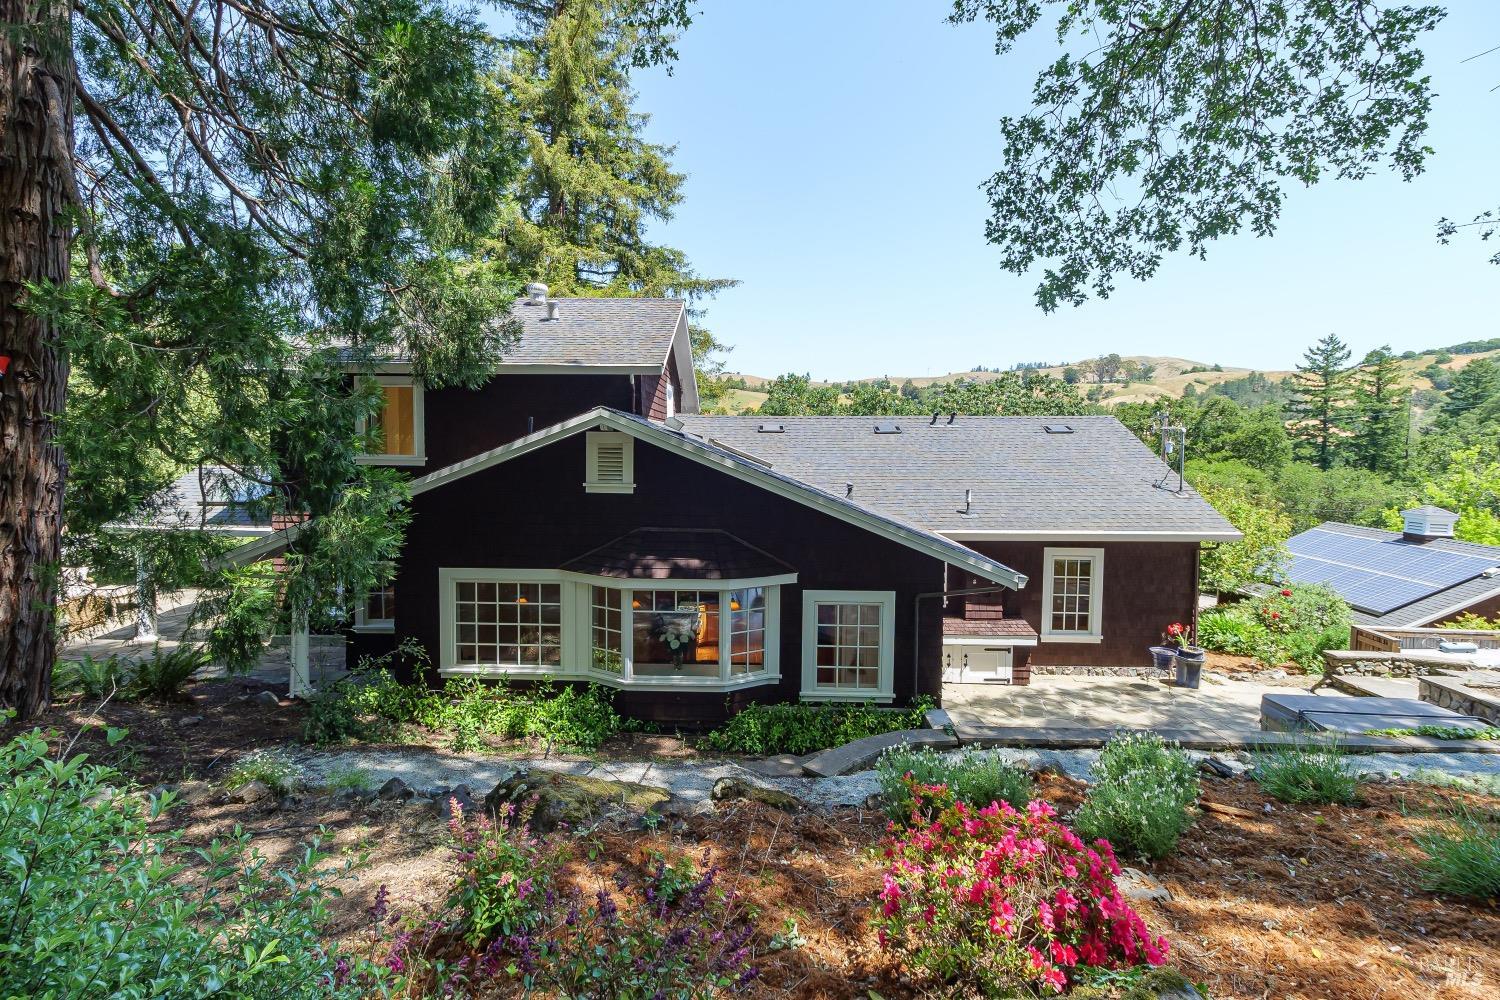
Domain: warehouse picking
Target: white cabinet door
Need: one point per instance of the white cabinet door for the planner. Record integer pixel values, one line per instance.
(968, 663)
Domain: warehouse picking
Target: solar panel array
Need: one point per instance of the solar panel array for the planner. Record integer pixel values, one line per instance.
(1377, 575)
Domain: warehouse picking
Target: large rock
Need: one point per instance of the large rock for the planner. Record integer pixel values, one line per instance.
(573, 800)
(395, 789)
(738, 788)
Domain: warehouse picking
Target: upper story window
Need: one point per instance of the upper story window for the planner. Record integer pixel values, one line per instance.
(610, 462)
(396, 433)
(1072, 595)
(671, 400)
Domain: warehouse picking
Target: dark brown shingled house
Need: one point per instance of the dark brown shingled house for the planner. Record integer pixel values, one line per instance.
(576, 518)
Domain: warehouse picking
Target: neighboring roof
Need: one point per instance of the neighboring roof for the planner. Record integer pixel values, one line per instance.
(208, 498)
(1392, 582)
(1095, 482)
(679, 554)
(853, 511)
(982, 628)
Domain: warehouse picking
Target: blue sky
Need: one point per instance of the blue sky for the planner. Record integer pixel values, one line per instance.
(835, 152)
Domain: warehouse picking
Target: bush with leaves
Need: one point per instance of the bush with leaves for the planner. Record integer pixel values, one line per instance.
(96, 677)
(163, 674)
(97, 905)
(999, 901)
(269, 767)
(1140, 799)
(1292, 624)
(807, 728)
(975, 777)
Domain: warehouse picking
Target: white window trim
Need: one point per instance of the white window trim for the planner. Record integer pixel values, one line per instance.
(1095, 633)
(577, 630)
(593, 440)
(371, 626)
(811, 691)
(671, 398)
(418, 421)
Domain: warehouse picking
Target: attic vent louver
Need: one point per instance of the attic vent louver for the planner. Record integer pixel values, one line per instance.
(772, 429)
(1057, 428)
(887, 428)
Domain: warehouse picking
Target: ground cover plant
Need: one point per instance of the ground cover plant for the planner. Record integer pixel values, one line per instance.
(269, 767)
(96, 904)
(1313, 773)
(1442, 732)
(808, 728)
(976, 778)
(1001, 900)
(1141, 797)
(373, 705)
(1288, 625)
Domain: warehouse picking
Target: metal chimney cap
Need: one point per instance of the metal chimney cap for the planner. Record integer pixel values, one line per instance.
(537, 292)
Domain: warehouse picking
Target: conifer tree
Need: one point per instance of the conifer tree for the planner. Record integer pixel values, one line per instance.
(591, 183)
(1475, 384)
(1380, 398)
(1321, 392)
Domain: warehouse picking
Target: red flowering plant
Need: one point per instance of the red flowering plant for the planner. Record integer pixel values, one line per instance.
(1175, 635)
(1000, 899)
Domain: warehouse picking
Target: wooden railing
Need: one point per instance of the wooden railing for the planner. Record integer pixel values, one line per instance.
(1393, 640)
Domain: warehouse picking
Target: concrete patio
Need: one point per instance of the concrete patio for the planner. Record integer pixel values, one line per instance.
(1064, 702)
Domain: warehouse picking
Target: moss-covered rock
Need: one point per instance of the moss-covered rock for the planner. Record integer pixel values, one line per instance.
(1154, 984)
(573, 800)
(736, 788)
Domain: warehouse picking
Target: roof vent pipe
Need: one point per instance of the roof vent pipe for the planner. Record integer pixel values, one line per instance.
(552, 308)
(935, 415)
(952, 416)
(968, 501)
(848, 490)
(536, 292)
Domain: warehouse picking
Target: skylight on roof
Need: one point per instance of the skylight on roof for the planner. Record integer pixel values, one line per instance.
(1057, 428)
(887, 428)
(772, 429)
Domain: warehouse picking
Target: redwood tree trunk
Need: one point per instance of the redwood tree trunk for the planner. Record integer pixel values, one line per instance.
(35, 159)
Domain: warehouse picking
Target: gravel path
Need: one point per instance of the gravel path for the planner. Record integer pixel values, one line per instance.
(429, 770)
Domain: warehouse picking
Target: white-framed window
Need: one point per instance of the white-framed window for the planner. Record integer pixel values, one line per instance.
(848, 645)
(377, 612)
(652, 634)
(671, 399)
(610, 462)
(396, 434)
(1072, 595)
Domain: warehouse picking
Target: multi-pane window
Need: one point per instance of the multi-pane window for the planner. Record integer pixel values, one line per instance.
(1071, 594)
(508, 624)
(747, 631)
(847, 645)
(607, 647)
(674, 633)
(380, 605)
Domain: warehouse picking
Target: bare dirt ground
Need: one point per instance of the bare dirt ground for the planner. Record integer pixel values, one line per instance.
(1296, 903)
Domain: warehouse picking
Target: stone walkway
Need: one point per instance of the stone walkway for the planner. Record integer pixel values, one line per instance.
(433, 770)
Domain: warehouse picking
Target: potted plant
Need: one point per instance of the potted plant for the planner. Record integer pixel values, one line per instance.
(1164, 657)
(1189, 658)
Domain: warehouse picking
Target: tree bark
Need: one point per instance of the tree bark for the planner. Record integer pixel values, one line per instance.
(36, 140)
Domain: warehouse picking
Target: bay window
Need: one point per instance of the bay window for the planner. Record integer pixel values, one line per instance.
(657, 635)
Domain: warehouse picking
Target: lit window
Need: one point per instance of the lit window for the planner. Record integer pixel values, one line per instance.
(1072, 591)
(508, 624)
(671, 400)
(674, 633)
(608, 649)
(611, 462)
(847, 649)
(394, 433)
(747, 631)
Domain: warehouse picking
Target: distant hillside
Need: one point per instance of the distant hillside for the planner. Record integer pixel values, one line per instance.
(1170, 376)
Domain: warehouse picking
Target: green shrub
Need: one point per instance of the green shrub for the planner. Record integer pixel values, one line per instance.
(96, 677)
(1289, 625)
(975, 778)
(1224, 631)
(1465, 862)
(163, 674)
(269, 768)
(97, 905)
(808, 728)
(1139, 802)
(1311, 773)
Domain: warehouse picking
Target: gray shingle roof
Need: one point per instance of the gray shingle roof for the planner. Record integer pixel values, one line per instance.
(678, 554)
(1097, 480)
(210, 498)
(590, 332)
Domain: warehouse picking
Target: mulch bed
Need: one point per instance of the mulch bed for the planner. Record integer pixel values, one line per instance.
(1298, 902)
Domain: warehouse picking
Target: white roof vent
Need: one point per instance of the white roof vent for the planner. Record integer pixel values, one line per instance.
(552, 312)
(536, 292)
(1428, 522)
